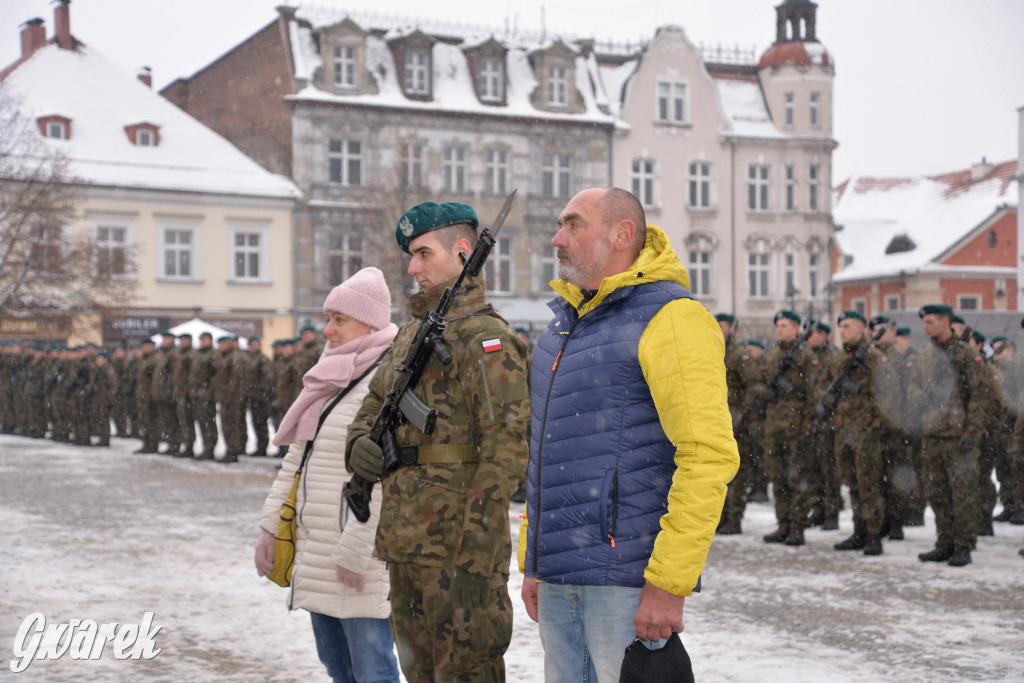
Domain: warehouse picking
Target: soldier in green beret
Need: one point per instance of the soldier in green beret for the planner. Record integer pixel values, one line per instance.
(945, 390)
(827, 497)
(735, 381)
(1010, 380)
(444, 528)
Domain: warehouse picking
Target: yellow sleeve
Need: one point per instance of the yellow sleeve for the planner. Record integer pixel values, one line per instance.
(682, 356)
(521, 546)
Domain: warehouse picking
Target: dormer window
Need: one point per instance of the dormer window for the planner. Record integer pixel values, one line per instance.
(344, 66)
(491, 79)
(416, 70)
(558, 86)
(143, 134)
(54, 126)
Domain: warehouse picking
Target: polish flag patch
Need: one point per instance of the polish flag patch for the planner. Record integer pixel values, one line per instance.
(491, 345)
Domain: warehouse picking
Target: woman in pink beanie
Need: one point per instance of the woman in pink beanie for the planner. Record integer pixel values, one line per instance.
(335, 576)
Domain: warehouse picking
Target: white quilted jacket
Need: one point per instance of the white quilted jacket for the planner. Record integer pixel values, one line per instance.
(327, 537)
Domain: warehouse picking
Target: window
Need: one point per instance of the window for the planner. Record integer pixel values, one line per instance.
(144, 138)
(248, 255)
(892, 303)
(46, 255)
(758, 271)
(546, 267)
(815, 110)
(558, 86)
(417, 72)
(813, 188)
(344, 66)
(672, 105)
(57, 129)
(345, 162)
(496, 171)
(491, 79)
(179, 253)
(454, 169)
(789, 273)
(789, 109)
(813, 274)
(758, 176)
(642, 176)
(112, 250)
(555, 179)
(700, 185)
(410, 166)
(344, 257)
(699, 265)
(498, 268)
(860, 305)
(968, 302)
(790, 187)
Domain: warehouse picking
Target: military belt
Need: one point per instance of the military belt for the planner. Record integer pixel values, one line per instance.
(438, 454)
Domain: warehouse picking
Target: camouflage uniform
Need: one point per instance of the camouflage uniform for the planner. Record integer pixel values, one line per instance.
(901, 482)
(119, 412)
(1011, 382)
(256, 393)
(180, 367)
(995, 419)
(149, 424)
(944, 390)
(439, 516)
(736, 495)
(163, 396)
(860, 430)
(227, 382)
(790, 460)
(828, 499)
(200, 392)
(910, 433)
(104, 385)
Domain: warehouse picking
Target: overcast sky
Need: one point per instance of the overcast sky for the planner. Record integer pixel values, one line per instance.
(921, 86)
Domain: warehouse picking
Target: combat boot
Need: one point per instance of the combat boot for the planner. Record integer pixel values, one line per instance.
(229, 458)
(205, 455)
(854, 542)
(778, 536)
(895, 531)
(795, 537)
(831, 523)
(1021, 552)
(914, 519)
(758, 495)
(729, 527)
(1017, 517)
(960, 557)
(985, 529)
(939, 553)
(873, 545)
(1005, 515)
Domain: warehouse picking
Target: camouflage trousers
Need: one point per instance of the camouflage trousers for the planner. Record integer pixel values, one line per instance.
(736, 494)
(986, 488)
(827, 497)
(1006, 471)
(259, 410)
(436, 642)
(206, 416)
(186, 422)
(860, 462)
(902, 485)
(791, 466)
(950, 485)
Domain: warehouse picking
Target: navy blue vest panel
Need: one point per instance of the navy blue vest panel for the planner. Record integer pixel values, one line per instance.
(600, 463)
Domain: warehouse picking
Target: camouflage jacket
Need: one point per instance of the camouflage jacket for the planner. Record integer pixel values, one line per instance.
(179, 366)
(200, 374)
(436, 514)
(227, 376)
(790, 403)
(866, 395)
(944, 391)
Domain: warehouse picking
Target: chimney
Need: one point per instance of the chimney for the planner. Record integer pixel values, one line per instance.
(145, 74)
(62, 21)
(33, 37)
(981, 171)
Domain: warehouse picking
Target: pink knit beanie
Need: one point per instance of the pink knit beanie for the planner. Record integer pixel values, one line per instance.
(363, 297)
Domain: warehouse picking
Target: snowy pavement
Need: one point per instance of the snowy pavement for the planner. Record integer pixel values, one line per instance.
(106, 535)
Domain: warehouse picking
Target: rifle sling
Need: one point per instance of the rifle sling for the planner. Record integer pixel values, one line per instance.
(438, 454)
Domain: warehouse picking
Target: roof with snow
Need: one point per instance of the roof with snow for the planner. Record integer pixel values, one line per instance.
(102, 101)
(927, 216)
(743, 104)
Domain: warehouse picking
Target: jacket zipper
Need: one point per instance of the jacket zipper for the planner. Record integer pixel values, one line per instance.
(615, 507)
(540, 450)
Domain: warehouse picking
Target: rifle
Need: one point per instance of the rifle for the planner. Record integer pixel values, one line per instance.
(939, 373)
(776, 383)
(402, 404)
(840, 386)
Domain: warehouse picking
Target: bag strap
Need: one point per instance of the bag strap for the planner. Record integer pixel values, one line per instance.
(327, 411)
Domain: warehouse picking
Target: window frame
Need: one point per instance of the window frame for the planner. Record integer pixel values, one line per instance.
(491, 79)
(642, 177)
(411, 169)
(497, 172)
(501, 259)
(558, 86)
(814, 109)
(814, 188)
(345, 159)
(344, 63)
(416, 66)
(455, 171)
(789, 170)
(759, 275)
(970, 301)
(759, 187)
(556, 178)
(96, 225)
(193, 251)
(672, 101)
(262, 251)
(699, 185)
(789, 110)
(351, 257)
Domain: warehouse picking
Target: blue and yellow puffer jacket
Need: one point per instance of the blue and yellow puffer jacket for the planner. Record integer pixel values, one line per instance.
(632, 444)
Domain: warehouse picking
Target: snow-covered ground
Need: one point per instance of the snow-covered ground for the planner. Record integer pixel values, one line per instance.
(106, 535)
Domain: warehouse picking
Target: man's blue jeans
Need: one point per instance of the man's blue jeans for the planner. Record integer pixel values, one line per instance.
(355, 650)
(585, 631)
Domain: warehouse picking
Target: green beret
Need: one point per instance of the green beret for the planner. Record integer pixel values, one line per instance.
(224, 337)
(185, 334)
(852, 314)
(938, 309)
(879, 320)
(205, 334)
(754, 342)
(791, 315)
(255, 338)
(725, 318)
(978, 336)
(427, 216)
(827, 329)
(957, 319)
(1000, 338)
(902, 331)
(306, 328)
(148, 341)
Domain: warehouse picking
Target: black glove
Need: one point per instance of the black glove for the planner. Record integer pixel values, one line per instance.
(469, 590)
(367, 459)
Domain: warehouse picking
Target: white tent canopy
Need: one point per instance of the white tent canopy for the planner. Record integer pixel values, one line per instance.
(196, 327)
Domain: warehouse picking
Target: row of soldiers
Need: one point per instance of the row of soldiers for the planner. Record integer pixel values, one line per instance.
(901, 429)
(159, 394)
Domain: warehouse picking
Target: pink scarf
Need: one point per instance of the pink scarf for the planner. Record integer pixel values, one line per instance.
(338, 365)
